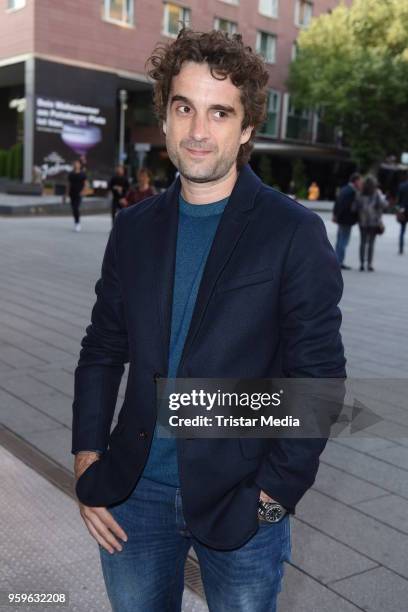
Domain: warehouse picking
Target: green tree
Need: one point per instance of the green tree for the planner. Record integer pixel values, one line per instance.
(353, 64)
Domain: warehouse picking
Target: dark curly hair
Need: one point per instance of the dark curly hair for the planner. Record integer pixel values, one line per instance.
(226, 56)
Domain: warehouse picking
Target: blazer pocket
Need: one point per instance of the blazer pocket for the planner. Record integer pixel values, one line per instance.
(245, 280)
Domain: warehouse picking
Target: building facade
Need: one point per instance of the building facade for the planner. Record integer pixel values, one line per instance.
(73, 83)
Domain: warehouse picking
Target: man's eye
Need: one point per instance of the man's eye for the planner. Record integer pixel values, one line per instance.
(220, 114)
(184, 110)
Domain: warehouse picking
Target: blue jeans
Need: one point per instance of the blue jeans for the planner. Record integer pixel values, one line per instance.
(343, 238)
(148, 574)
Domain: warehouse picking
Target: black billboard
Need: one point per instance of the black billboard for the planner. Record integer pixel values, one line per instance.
(75, 116)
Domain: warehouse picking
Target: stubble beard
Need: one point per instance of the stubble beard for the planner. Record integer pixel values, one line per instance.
(216, 172)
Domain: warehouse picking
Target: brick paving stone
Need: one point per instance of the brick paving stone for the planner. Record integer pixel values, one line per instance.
(396, 455)
(371, 537)
(365, 444)
(344, 487)
(325, 559)
(22, 418)
(391, 478)
(377, 590)
(302, 593)
(390, 508)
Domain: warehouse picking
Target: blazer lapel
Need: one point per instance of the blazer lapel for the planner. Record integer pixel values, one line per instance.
(165, 240)
(231, 227)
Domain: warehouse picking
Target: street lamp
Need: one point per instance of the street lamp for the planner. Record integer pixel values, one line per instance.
(123, 96)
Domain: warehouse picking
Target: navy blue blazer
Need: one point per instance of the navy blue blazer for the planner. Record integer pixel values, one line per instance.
(267, 307)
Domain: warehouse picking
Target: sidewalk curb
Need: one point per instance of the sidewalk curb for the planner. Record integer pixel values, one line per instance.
(88, 206)
(37, 460)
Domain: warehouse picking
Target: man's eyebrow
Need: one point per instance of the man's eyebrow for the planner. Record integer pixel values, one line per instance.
(178, 98)
(221, 107)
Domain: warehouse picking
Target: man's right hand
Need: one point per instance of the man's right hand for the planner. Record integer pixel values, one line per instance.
(98, 520)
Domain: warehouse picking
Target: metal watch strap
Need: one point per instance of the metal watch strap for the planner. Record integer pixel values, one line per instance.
(271, 512)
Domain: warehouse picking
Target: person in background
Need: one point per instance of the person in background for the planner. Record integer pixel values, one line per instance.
(84, 163)
(77, 183)
(142, 190)
(369, 206)
(119, 186)
(402, 210)
(344, 216)
(314, 192)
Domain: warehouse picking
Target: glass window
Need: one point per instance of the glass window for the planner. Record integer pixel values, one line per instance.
(271, 125)
(119, 11)
(266, 45)
(269, 8)
(299, 123)
(16, 4)
(324, 133)
(225, 25)
(303, 13)
(174, 17)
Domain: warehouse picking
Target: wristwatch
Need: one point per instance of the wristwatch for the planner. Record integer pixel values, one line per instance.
(271, 512)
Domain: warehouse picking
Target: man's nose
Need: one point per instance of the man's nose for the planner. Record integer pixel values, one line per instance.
(199, 128)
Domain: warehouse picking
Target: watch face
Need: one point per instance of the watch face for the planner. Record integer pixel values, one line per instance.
(272, 513)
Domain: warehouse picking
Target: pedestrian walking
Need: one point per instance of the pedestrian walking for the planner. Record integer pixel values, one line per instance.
(84, 163)
(77, 182)
(118, 186)
(141, 190)
(345, 217)
(214, 278)
(369, 205)
(402, 211)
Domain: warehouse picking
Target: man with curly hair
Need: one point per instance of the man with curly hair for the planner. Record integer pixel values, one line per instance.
(219, 277)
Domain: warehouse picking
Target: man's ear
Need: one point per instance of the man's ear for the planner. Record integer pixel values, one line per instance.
(246, 134)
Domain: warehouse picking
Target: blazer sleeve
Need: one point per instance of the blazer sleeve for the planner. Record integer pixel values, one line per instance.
(102, 357)
(311, 344)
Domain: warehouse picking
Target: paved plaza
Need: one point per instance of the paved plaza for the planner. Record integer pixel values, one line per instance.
(350, 533)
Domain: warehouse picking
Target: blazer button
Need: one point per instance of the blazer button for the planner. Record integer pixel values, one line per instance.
(142, 434)
(156, 376)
